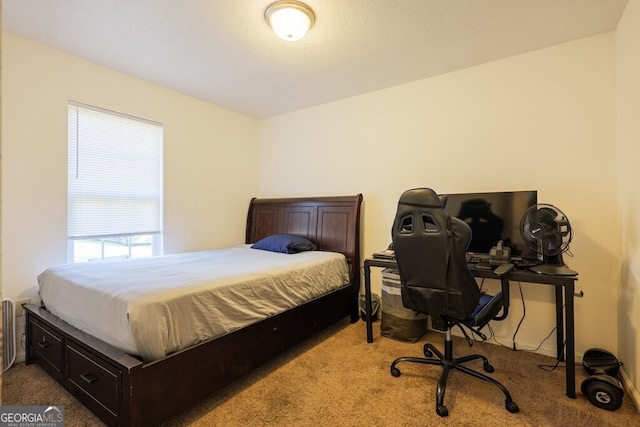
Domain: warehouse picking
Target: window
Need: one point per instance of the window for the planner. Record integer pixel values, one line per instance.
(114, 198)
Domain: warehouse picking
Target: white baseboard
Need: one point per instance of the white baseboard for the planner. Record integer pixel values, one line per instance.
(630, 390)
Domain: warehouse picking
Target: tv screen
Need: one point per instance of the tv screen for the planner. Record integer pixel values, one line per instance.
(492, 217)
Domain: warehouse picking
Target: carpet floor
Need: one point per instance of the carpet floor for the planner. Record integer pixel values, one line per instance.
(337, 379)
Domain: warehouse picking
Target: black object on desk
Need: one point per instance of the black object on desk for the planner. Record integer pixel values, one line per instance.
(564, 320)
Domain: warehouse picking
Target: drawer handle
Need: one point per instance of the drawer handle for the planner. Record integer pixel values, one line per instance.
(89, 378)
(44, 344)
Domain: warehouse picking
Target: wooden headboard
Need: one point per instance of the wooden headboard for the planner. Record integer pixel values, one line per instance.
(332, 223)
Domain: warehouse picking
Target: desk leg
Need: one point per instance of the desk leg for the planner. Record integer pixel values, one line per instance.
(571, 347)
(559, 325)
(367, 301)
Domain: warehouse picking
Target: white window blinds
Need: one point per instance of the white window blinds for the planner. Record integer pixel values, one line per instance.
(115, 174)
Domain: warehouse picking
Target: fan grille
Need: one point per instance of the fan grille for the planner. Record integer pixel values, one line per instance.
(546, 230)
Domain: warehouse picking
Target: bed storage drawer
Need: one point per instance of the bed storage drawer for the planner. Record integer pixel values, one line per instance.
(96, 379)
(46, 345)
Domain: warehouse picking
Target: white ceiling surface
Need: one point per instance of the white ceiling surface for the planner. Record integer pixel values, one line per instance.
(222, 51)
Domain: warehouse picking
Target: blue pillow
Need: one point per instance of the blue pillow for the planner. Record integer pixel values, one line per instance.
(285, 243)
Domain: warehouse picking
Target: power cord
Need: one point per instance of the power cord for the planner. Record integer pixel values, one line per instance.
(481, 284)
(550, 368)
(541, 342)
(492, 335)
(546, 338)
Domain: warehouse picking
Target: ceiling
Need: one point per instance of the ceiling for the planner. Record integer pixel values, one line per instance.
(222, 51)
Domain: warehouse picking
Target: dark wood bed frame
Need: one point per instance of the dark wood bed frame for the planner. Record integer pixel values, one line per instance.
(122, 390)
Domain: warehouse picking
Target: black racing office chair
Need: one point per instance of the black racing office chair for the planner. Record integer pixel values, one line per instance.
(430, 248)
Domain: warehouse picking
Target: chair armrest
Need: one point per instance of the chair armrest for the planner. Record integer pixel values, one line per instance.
(488, 308)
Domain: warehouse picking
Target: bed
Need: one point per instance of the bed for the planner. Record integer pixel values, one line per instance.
(125, 388)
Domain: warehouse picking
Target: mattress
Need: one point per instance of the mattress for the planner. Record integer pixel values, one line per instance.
(152, 307)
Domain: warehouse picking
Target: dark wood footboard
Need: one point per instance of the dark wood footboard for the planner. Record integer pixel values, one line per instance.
(122, 390)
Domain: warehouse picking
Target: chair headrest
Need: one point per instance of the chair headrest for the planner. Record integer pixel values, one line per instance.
(425, 197)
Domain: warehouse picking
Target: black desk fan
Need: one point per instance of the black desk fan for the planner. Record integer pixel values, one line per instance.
(547, 231)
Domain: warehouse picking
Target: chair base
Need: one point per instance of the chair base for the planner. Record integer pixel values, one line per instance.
(448, 363)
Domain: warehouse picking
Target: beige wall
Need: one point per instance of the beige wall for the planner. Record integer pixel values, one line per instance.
(551, 114)
(544, 120)
(210, 158)
(628, 109)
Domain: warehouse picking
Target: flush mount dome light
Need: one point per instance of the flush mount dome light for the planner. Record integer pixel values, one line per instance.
(290, 20)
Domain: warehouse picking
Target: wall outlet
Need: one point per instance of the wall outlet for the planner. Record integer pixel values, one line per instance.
(19, 309)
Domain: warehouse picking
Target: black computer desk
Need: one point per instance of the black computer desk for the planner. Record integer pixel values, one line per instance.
(564, 318)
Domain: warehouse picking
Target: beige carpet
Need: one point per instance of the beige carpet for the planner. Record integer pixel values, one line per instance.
(338, 379)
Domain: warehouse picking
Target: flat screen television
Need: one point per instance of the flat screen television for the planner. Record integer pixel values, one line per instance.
(493, 217)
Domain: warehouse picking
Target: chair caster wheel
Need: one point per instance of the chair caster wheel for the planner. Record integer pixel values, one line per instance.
(512, 407)
(442, 410)
(395, 372)
(488, 368)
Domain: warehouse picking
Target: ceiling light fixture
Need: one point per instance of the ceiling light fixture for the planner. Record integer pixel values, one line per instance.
(290, 20)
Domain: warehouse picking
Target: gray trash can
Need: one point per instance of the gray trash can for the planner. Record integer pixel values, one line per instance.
(397, 321)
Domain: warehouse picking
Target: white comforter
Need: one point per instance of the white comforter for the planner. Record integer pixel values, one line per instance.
(152, 307)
